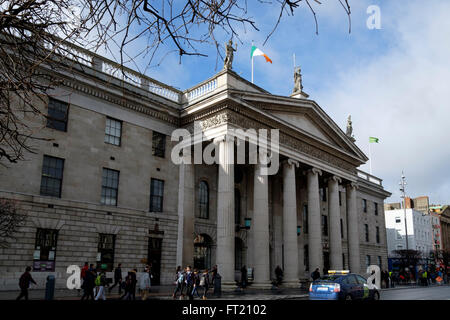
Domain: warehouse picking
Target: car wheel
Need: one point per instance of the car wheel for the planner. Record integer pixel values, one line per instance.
(348, 297)
(376, 296)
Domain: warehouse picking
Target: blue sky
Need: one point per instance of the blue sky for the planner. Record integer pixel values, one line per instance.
(393, 81)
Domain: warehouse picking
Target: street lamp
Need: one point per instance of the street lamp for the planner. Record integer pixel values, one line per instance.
(402, 189)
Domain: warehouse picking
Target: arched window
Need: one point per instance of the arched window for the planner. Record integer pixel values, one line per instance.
(203, 200)
(202, 252)
(237, 206)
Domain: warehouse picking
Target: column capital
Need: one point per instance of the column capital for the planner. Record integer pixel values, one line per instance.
(335, 178)
(313, 171)
(291, 162)
(352, 185)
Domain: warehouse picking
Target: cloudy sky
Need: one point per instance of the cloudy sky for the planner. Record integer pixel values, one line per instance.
(394, 82)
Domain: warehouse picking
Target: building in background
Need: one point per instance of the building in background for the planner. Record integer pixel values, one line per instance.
(443, 212)
(418, 227)
(421, 204)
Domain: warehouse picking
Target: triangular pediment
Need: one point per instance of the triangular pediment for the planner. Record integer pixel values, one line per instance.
(306, 117)
(303, 122)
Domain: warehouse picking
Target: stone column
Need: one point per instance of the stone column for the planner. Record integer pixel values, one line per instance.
(290, 239)
(186, 210)
(277, 222)
(334, 214)
(314, 227)
(260, 230)
(225, 212)
(352, 229)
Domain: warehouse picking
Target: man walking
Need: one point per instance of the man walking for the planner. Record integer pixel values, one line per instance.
(101, 286)
(24, 283)
(144, 283)
(117, 278)
(89, 283)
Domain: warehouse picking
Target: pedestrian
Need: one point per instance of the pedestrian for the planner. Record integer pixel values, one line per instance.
(128, 287)
(89, 283)
(214, 272)
(101, 284)
(83, 275)
(279, 275)
(189, 282)
(204, 283)
(24, 283)
(315, 275)
(179, 280)
(244, 277)
(133, 283)
(117, 278)
(144, 283)
(195, 283)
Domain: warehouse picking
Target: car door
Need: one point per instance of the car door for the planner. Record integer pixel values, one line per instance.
(354, 287)
(363, 287)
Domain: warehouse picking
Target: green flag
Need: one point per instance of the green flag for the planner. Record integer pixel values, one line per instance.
(373, 140)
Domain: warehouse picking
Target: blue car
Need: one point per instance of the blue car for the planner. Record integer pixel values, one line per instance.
(342, 285)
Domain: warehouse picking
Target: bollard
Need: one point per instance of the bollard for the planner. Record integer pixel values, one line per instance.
(50, 287)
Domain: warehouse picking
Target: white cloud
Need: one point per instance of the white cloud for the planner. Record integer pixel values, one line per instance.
(402, 98)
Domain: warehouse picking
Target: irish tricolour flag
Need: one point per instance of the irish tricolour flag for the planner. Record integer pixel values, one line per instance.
(256, 52)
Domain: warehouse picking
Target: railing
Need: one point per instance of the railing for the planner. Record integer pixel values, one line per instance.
(202, 89)
(369, 177)
(115, 70)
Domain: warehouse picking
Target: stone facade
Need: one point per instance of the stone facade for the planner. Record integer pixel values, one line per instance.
(316, 187)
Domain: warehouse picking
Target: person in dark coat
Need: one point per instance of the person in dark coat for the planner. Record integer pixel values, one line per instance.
(315, 275)
(117, 278)
(279, 275)
(24, 283)
(244, 276)
(89, 283)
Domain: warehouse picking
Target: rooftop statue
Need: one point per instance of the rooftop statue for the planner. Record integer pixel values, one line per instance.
(350, 129)
(229, 55)
(298, 87)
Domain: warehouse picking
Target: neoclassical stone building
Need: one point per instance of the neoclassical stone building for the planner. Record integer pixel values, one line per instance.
(105, 190)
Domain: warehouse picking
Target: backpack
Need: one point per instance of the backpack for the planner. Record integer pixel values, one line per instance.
(98, 280)
(180, 278)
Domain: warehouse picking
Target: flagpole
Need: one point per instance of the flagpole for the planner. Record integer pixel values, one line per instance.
(370, 159)
(252, 64)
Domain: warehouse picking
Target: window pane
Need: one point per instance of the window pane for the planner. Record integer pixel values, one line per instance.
(110, 186)
(113, 131)
(57, 115)
(52, 174)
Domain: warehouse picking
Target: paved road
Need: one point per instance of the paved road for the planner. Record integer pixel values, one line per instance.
(419, 293)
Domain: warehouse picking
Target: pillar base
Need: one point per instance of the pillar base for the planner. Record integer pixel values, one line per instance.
(262, 285)
(291, 284)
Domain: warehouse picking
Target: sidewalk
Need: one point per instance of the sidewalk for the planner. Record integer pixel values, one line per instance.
(165, 293)
(413, 285)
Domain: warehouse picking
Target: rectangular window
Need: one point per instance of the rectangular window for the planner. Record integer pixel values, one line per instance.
(340, 198)
(367, 261)
(158, 144)
(364, 205)
(45, 250)
(58, 113)
(113, 131)
(156, 195)
(366, 228)
(376, 208)
(110, 187)
(379, 262)
(305, 218)
(398, 219)
(342, 229)
(378, 235)
(324, 225)
(105, 253)
(343, 260)
(52, 175)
